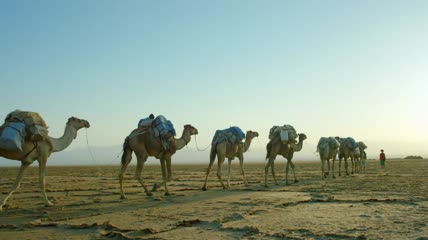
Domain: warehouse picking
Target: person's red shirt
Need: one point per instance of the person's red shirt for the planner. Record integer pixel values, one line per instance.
(382, 156)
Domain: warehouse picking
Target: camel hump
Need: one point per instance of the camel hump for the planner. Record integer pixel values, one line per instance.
(36, 127)
(286, 132)
(232, 134)
(29, 118)
(362, 145)
(353, 142)
(163, 126)
(321, 143)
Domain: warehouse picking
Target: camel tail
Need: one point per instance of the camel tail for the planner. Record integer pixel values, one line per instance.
(126, 150)
(268, 150)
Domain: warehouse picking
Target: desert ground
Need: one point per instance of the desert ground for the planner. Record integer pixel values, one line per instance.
(373, 205)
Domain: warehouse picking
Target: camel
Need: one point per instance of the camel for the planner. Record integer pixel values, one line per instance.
(276, 147)
(144, 144)
(327, 148)
(230, 151)
(347, 149)
(41, 151)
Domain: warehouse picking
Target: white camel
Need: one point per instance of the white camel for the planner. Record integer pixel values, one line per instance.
(327, 148)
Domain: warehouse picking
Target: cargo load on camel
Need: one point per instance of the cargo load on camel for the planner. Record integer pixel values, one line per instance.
(161, 128)
(325, 142)
(286, 133)
(232, 135)
(352, 142)
(21, 126)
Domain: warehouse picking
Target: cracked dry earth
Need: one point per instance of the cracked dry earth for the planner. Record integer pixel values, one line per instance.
(371, 205)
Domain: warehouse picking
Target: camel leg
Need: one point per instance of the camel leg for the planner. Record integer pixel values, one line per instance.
(126, 159)
(141, 159)
(272, 165)
(168, 167)
(346, 166)
(164, 175)
(340, 167)
(293, 170)
(42, 182)
(322, 168)
(266, 171)
(328, 167)
(229, 165)
(287, 169)
(352, 164)
(356, 164)
(16, 184)
(332, 168)
(241, 165)
(220, 158)
(208, 172)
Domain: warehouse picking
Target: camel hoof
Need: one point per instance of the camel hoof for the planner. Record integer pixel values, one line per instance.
(296, 180)
(334, 177)
(204, 188)
(167, 193)
(123, 197)
(49, 204)
(266, 186)
(149, 194)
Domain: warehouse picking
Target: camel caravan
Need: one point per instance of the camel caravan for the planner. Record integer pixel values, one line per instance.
(24, 137)
(330, 147)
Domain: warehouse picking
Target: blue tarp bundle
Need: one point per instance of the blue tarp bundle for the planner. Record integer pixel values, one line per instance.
(13, 136)
(162, 126)
(351, 140)
(232, 134)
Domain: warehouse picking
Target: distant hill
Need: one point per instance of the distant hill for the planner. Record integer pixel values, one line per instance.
(413, 157)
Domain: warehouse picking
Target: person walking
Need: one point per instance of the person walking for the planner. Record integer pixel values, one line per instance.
(382, 159)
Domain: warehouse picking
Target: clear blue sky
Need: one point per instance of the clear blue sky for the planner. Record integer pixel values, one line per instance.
(346, 68)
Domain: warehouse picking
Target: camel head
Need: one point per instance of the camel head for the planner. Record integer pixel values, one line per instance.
(77, 123)
(362, 146)
(250, 135)
(190, 129)
(302, 137)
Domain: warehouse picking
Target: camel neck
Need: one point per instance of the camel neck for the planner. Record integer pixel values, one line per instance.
(183, 141)
(299, 146)
(63, 142)
(247, 144)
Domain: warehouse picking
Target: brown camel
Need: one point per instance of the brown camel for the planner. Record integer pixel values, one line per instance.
(327, 148)
(230, 151)
(347, 150)
(144, 144)
(40, 151)
(276, 147)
